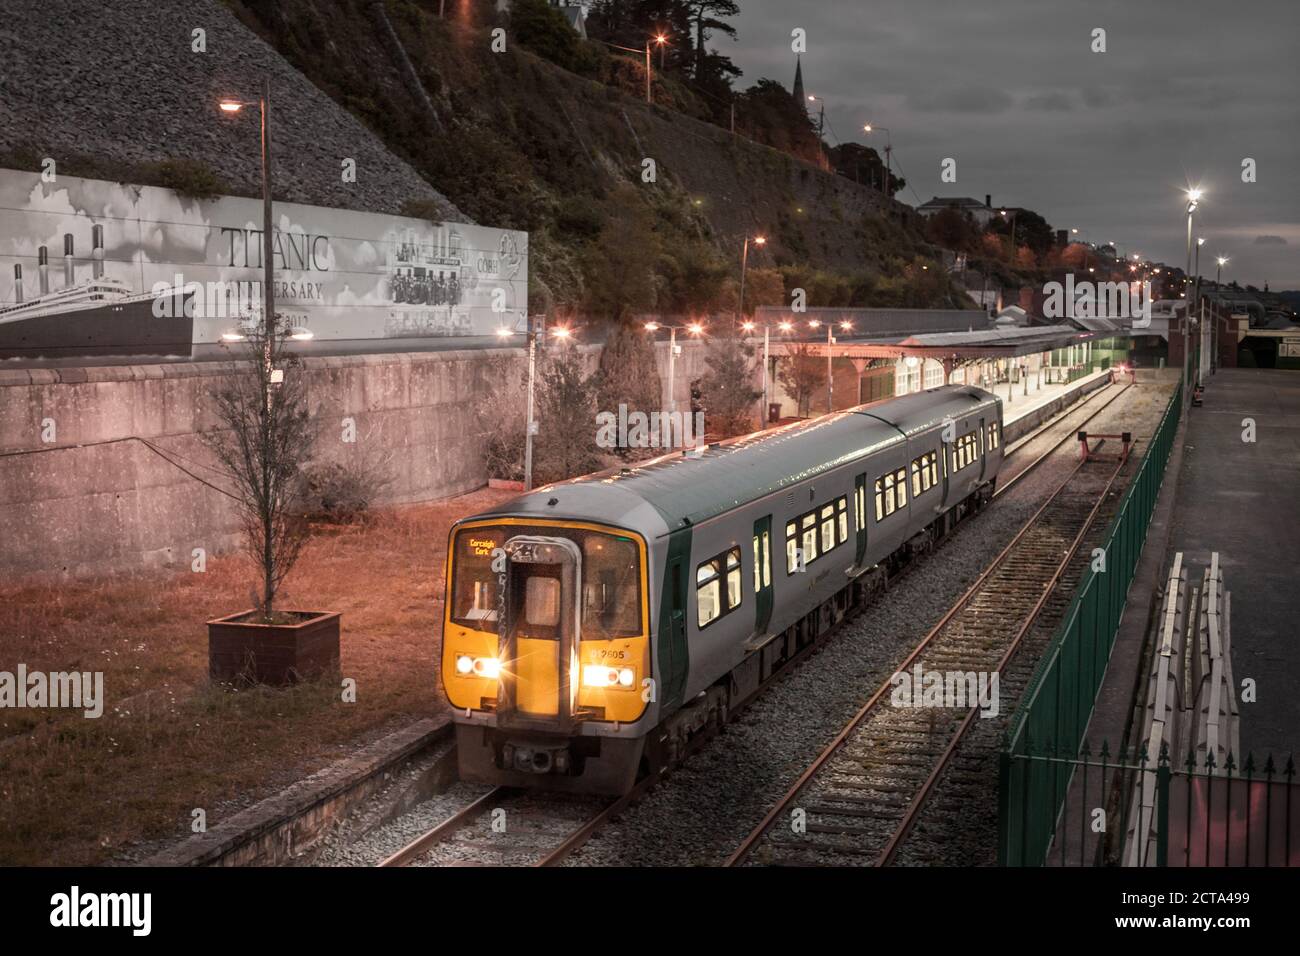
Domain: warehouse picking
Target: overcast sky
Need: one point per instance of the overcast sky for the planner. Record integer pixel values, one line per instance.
(1105, 142)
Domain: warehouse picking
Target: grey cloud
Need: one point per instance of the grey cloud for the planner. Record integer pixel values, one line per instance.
(1265, 240)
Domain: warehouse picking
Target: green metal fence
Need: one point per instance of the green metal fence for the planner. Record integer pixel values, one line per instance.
(1057, 705)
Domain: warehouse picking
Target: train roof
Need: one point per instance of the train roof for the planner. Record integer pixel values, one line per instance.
(690, 487)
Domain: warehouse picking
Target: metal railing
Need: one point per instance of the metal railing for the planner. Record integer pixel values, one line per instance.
(1058, 702)
(1203, 814)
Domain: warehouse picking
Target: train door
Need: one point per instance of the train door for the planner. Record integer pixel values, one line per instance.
(673, 653)
(860, 517)
(539, 635)
(762, 573)
(984, 458)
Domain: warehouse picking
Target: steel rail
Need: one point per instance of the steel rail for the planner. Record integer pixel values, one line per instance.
(1048, 426)
(437, 834)
(914, 809)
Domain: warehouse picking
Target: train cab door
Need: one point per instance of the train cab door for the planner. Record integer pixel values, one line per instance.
(539, 633)
(762, 574)
(860, 518)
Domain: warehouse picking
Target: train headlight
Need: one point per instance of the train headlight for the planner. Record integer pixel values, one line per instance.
(488, 667)
(598, 675)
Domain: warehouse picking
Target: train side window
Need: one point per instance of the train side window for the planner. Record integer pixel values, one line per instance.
(994, 438)
(916, 477)
(842, 518)
(758, 572)
(708, 591)
(860, 505)
(808, 525)
(891, 493)
(925, 473)
(711, 601)
(791, 548)
(767, 559)
(828, 527)
(733, 579)
(933, 466)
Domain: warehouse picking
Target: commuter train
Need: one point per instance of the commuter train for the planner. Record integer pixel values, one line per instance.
(592, 627)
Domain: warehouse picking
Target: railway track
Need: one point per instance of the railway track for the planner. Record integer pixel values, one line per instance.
(1067, 434)
(858, 802)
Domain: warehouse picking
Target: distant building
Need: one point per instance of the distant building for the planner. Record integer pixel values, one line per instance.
(798, 93)
(575, 13)
(981, 212)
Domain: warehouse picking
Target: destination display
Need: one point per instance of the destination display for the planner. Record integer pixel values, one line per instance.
(96, 268)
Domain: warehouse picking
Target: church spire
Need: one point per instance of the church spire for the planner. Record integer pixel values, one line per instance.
(798, 85)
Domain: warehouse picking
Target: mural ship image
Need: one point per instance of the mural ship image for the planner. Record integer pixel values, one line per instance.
(100, 316)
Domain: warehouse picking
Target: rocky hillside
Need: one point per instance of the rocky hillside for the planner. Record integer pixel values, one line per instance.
(443, 126)
(110, 90)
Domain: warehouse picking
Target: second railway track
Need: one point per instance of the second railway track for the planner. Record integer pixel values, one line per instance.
(858, 801)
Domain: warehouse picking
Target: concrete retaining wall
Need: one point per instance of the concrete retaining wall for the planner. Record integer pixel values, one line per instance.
(85, 486)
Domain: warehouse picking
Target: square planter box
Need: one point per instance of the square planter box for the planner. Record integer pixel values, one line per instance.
(241, 650)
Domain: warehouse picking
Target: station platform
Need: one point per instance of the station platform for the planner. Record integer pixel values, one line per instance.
(1021, 413)
(1242, 499)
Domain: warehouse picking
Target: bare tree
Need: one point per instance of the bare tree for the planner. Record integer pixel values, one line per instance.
(265, 438)
(801, 374)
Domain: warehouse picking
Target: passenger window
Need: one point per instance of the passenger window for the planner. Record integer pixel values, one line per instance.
(842, 519)
(767, 559)
(708, 592)
(791, 548)
(809, 525)
(733, 579)
(542, 602)
(828, 527)
(758, 574)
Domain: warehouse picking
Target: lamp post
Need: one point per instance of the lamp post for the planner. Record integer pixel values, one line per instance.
(530, 428)
(830, 376)
(1003, 213)
(784, 326)
(744, 264)
(661, 40)
(889, 148)
(1193, 198)
(696, 329)
(232, 106)
(1221, 261)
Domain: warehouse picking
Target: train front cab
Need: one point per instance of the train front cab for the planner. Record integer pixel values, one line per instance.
(546, 653)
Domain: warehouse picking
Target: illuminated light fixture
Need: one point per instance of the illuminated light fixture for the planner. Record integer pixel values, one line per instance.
(231, 106)
(1194, 195)
(1200, 240)
(651, 326)
(846, 325)
(504, 333)
(464, 665)
(760, 240)
(814, 323)
(598, 675)
(661, 39)
(233, 336)
(300, 333)
(786, 326)
(695, 328)
(488, 667)
(561, 332)
(747, 326)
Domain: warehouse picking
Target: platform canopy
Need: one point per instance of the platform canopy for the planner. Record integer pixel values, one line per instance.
(980, 343)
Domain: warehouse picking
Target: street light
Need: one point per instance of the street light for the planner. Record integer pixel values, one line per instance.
(231, 107)
(749, 326)
(830, 340)
(530, 428)
(744, 264)
(696, 329)
(889, 148)
(1003, 213)
(1218, 273)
